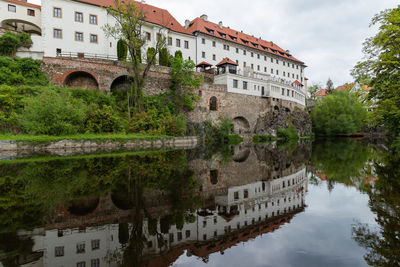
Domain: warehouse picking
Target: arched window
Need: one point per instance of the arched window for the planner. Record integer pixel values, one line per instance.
(214, 177)
(213, 103)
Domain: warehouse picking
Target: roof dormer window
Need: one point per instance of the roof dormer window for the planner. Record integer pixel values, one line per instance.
(210, 31)
(223, 35)
(244, 41)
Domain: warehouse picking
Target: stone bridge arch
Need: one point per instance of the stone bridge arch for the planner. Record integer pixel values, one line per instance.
(241, 125)
(81, 79)
(122, 82)
(83, 207)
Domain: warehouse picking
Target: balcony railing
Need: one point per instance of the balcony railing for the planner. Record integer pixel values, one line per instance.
(86, 55)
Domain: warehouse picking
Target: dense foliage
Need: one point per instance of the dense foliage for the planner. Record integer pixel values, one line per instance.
(339, 113)
(21, 71)
(163, 57)
(381, 69)
(10, 42)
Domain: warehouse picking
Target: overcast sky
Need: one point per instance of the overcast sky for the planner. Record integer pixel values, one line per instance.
(326, 34)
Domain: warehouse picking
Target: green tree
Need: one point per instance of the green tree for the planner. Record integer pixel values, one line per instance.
(313, 89)
(164, 57)
(381, 71)
(339, 113)
(128, 27)
(10, 42)
(183, 81)
(122, 50)
(150, 53)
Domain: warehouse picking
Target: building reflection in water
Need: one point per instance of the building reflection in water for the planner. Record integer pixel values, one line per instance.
(248, 196)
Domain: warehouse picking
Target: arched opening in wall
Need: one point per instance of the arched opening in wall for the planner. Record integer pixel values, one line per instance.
(21, 26)
(241, 155)
(287, 110)
(241, 125)
(121, 83)
(81, 79)
(213, 103)
(276, 108)
(122, 200)
(214, 177)
(82, 207)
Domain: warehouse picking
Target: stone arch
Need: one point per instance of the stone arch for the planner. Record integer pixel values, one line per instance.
(122, 200)
(21, 25)
(276, 108)
(241, 155)
(241, 125)
(122, 83)
(287, 110)
(213, 103)
(83, 207)
(81, 79)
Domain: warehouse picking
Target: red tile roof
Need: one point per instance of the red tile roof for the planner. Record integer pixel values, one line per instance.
(366, 88)
(152, 14)
(322, 92)
(201, 64)
(225, 33)
(226, 61)
(345, 87)
(296, 82)
(17, 2)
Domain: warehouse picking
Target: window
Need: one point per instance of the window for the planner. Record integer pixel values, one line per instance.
(80, 248)
(244, 64)
(277, 72)
(79, 36)
(265, 69)
(283, 91)
(81, 264)
(179, 236)
(237, 50)
(272, 60)
(78, 16)
(292, 65)
(235, 83)
(93, 19)
(57, 12)
(148, 36)
(252, 54)
(95, 263)
(214, 44)
(258, 56)
(213, 103)
(297, 76)
(203, 40)
(246, 193)
(57, 33)
(12, 8)
(169, 41)
(265, 58)
(59, 251)
(258, 67)
(284, 63)
(226, 47)
(31, 12)
(288, 92)
(236, 195)
(244, 85)
(93, 38)
(186, 44)
(203, 54)
(178, 42)
(272, 71)
(252, 66)
(214, 57)
(284, 74)
(95, 244)
(237, 62)
(244, 52)
(292, 93)
(58, 51)
(292, 75)
(277, 61)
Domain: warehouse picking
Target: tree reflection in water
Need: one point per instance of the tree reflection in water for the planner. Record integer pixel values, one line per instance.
(383, 244)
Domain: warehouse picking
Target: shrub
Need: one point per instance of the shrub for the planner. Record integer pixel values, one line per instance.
(21, 71)
(53, 113)
(288, 133)
(151, 51)
(218, 132)
(10, 42)
(178, 53)
(164, 57)
(262, 138)
(122, 50)
(102, 120)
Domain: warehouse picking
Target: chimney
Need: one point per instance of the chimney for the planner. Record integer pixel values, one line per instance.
(204, 17)
(187, 23)
(220, 25)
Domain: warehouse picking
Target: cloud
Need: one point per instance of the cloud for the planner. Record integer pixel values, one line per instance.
(327, 35)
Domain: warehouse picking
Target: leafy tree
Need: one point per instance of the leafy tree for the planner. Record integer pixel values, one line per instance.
(178, 53)
(329, 86)
(183, 81)
(339, 113)
(381, 71)
(150, 53)
(313, 89)
(10, 42)
(128, 27)
(122, 50)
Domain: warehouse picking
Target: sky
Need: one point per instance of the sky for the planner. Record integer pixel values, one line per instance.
(326, 34)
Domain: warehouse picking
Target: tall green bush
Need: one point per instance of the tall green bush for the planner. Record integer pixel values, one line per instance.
(178, 53)
(10, 42)
(102, 120)
(164, 57)
(151, 51)
(339, 113)
(122, 50)
(21, 71)
(53, 113)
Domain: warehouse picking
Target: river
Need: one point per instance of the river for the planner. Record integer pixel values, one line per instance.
(327, 203)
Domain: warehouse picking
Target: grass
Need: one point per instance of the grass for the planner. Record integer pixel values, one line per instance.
(234, 139)
(263, 138)
(118, 137)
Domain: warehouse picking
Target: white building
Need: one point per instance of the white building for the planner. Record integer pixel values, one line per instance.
(75, 29)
